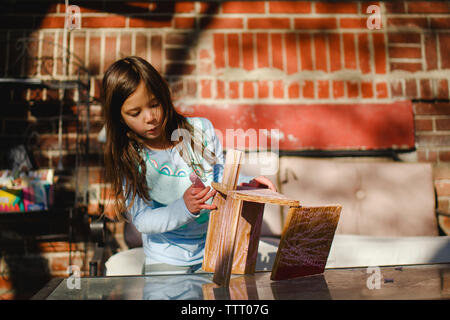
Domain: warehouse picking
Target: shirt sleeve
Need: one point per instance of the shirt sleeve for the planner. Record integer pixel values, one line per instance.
(150, 220)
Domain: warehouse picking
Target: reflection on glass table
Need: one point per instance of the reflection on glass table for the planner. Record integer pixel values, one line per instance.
(396, 282)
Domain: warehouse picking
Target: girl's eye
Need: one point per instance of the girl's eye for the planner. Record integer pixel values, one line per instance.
(134, 114)
(155, 105)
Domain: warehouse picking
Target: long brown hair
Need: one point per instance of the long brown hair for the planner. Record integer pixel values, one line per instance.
(123, 162)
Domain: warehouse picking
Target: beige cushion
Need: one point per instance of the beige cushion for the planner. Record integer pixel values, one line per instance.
(378, 198)
(265, 164)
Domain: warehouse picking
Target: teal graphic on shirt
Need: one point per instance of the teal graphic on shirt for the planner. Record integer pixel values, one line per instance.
(169, 181)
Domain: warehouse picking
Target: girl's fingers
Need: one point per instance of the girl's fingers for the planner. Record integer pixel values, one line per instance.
(200, 194)
(208, 206)
(209, 195)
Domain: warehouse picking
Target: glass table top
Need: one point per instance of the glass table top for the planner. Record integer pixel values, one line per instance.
(391, 283)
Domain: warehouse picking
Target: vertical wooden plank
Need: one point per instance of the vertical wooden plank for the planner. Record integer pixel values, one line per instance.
(226, 243)
(247, 238)
(305, 242)
(217, 219)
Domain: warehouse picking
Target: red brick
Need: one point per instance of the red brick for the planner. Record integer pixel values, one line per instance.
(439, 23)
(268, 23)
(278, 89)
(249, 91)
(108, 21)
(263, 89)
(352, 89)
(308, 89)
(141, 45)
(220, 89)
(184, 23)
(262, 45)
(79, 49)
(444, 46)
(294, 91)
(339, 7)
(277, 51)
(411, 88)
(363, 53)
(338, 89)
(405, 52)
(156, 52)
(290, 41)
(428, 7)
(50, 22)
(444, 156)
(349, 51)
(233, 50)
(247, 51)
(366, 89)
(320, 49)
(426, 156)
(381, 90)
(62, 263)
(406, 66)
(379, 53)
(404, 37)
(289, 7)
(365, 6)
(425, 89)
(423, 124)
(184, 7)
(110, 51)
(205, 86)
(234, 90)
(442, 124)
(433, 140)
(125, 45)
(430, 51)
(221, 23)
(323, 89)
(442, 188)
(334, 46)
(395, 6)
(408, 22)
(94, 55)
(442, 89)
(432, 108)
(243, 7)
(219, 50)
(305, 52)
(353, 23)
(315, 23)
(154, 22)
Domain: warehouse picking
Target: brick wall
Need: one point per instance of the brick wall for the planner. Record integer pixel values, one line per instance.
(223, 54)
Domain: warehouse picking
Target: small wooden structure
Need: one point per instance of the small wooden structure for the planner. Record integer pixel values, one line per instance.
(235, 227)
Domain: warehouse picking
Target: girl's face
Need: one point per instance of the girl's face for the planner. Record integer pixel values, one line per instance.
(143, 114)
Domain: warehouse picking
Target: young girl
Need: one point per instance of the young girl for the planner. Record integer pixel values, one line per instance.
(150, 170)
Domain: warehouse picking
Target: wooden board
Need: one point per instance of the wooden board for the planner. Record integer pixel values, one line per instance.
(305, 241)
(264, 196)
(226, 239)
(216, 217)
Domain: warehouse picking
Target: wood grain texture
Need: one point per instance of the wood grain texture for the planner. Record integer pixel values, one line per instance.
(247, 238)
(216, 217)
(264, 196)
(226, 241)
(305, 241)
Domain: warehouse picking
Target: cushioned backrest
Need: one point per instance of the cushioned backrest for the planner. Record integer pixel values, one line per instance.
(377, 198)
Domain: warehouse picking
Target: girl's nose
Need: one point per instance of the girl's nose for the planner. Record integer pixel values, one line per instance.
(149, 116)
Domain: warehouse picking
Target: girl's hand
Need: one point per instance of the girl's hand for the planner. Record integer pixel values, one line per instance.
(261, 181)
(195, 199)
